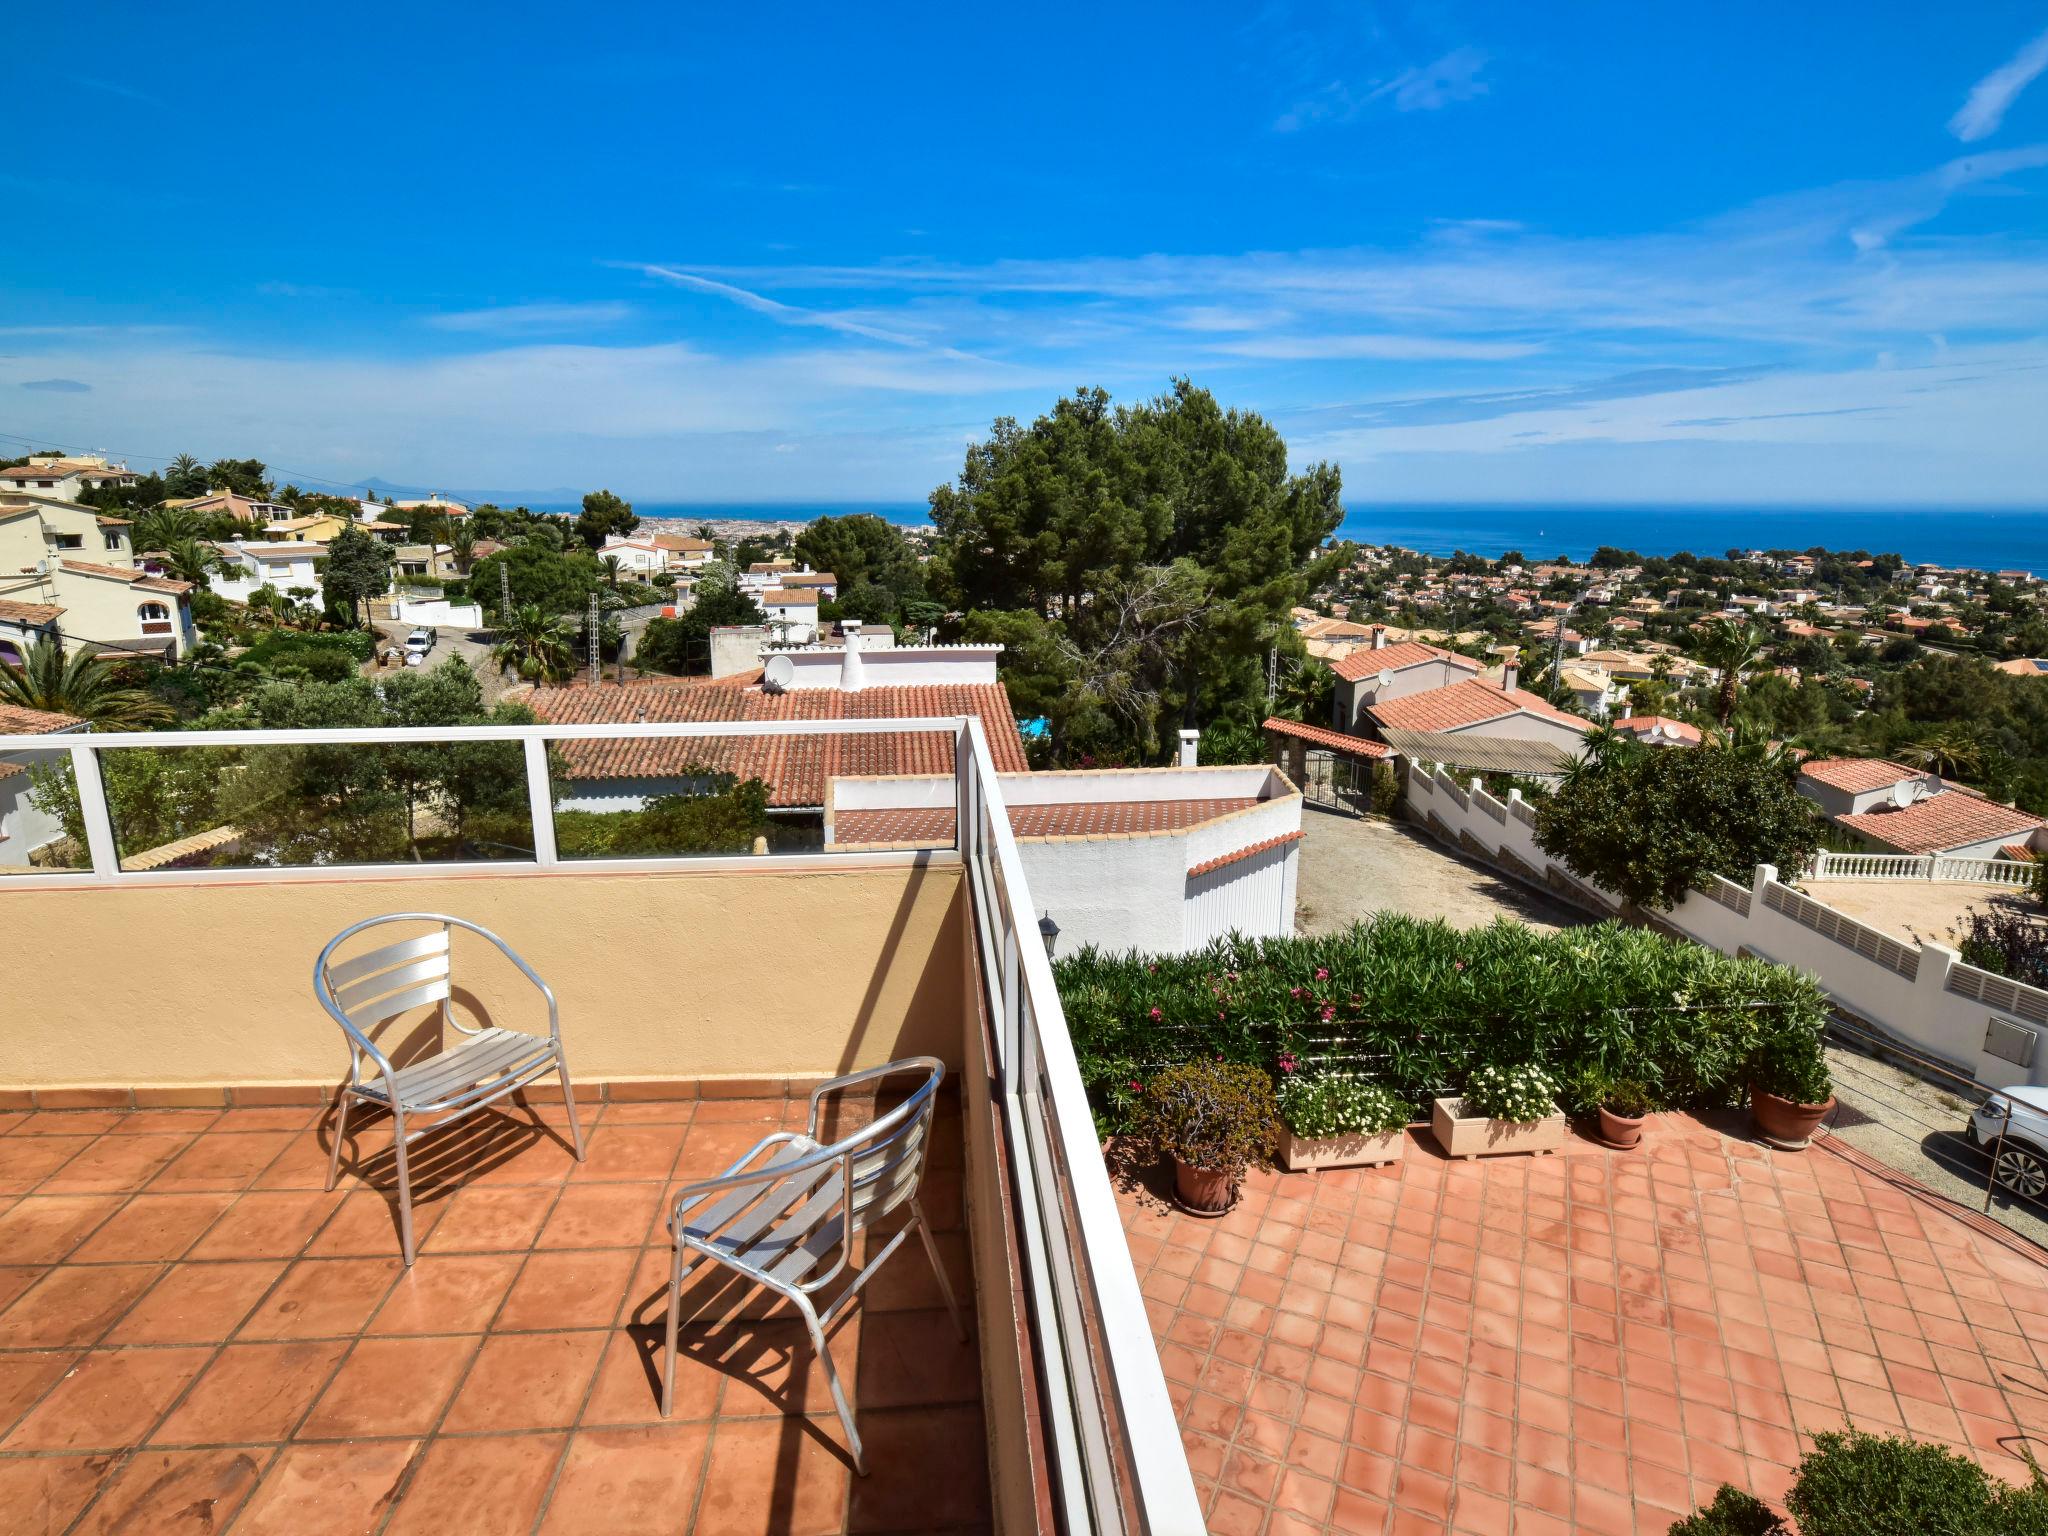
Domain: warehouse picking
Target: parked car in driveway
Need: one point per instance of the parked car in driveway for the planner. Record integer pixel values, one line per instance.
(418, 645)
(2023, 1160)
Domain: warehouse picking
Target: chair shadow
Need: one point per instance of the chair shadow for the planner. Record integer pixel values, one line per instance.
(442, 1158)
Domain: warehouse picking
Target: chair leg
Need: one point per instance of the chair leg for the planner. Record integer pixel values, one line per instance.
(404, 1186)
(860, 1460)
(678, 1272)
(340, 1129)
(931, 1248)
(569, 1102)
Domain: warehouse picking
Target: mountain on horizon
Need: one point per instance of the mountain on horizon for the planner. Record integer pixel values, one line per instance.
(560, 495)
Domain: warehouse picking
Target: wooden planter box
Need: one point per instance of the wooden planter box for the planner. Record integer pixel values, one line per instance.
(1462, 1135)
(1305, 1154)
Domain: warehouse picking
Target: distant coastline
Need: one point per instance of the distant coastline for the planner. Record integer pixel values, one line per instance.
(2003, 539)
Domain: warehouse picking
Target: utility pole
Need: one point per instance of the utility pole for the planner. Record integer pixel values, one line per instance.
(505, 594)
(1557, 655)
(594, 625)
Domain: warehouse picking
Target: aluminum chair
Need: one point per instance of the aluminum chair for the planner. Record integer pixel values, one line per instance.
(789, 1223)
(483, 1066)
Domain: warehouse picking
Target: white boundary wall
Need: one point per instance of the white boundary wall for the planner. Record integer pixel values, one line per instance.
(1921, 994)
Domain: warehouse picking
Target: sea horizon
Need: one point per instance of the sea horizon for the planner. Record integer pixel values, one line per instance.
(1995, 539)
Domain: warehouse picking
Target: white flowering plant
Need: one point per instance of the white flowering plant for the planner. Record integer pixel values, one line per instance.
(1519, 1093)
(1319, 1107)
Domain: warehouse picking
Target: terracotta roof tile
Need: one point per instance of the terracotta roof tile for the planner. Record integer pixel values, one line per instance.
(28, 613)
(789, 597)
(795, 768)
(134, 578)
(1857, 775)
(1646, 725)
(1367, 662)
(16, 721)
(1323, 736)
(1078, 818)
(1472, 702)
(1209, 865)
(1940, 822)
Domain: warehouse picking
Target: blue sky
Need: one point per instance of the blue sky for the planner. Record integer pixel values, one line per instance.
(1744, 253)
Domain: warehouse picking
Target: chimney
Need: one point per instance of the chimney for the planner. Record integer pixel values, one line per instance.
(1511, 669)
(1379, 637)
(851, 674)
(1189, 742)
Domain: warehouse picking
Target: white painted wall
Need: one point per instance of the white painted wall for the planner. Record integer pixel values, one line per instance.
(1921, 994)
(24, 827)
(438, 611)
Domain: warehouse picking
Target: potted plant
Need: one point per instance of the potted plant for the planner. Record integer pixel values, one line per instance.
(1790, 1093)
(1338, 1122)
(1624, 1104)
(1503, 1109)
(1212, 1118)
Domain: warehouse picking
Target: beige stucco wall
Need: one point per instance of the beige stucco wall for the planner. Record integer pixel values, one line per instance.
(744, 973)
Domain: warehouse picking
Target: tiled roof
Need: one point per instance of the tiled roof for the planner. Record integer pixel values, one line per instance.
(1323, 736)
(1856, 775)
(1471, 702)
(2019, 852)
(2025, 666)
(28, 613)
(681, 545)
(133, 578)
(1940, 822)
(1208, 866)
(1080, 818)
(795, 768)
(17, 721)
(789, 597)
(1368, 662)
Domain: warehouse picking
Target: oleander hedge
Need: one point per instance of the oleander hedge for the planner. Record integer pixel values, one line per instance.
(1418, 1005)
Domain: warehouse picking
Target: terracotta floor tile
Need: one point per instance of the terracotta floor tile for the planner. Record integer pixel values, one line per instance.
(328, 1490)
(447, 1293)
(74, 1304)
(197, 1303)
(266, 1225)
(628, 1482)
(252, 1392)
(628, 1386)
(44, 1228)
(773, 1477)
(366, 1226)
(772, 1368)
(395, 1386)
(322, 1297)
(482, 1486)
(15, 1279)
(216, 1162)
(153, 1227)
(115, 1164)
(568, 1290)
(910, 1359)
(527, 1381)
(281, 1118)
(629, 1152)
(601, 1216)
(25, 1376)
(903, 1448)
(109, 1402)
(491, 1221)
(25, 1161)
(180, 1493)
(42, 1495)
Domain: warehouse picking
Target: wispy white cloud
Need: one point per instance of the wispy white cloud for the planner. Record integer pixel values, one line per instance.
(1410, 349)
(531, 319)
(114, 88)
(776, 310)
(1985, 107)
(1452, 78)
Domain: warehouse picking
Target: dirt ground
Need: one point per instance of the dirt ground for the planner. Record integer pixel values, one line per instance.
(1352, 867)
(1912, 909)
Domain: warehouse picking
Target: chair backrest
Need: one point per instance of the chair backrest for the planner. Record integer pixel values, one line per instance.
(365, 990)
(889, 1152)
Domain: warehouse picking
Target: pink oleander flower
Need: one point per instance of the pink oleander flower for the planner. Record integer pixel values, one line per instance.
(1295, 992)
(1322, 973)
(1457, 965)
(1329, 1013)
(1136, 1086)
(1287, 1062)
(1157, 1015)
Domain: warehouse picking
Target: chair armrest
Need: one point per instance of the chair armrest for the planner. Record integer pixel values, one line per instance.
(853, 1080)
(738, 1175)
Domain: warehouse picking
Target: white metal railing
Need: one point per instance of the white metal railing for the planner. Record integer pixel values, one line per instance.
(1118, 1463)
(1115, 1443)
(1920, 866)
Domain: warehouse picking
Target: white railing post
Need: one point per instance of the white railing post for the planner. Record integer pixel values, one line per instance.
(540, 802)
(92, 811)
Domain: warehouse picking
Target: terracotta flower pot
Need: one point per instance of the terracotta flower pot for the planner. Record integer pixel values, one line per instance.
(1620, 1130)
(1783, 1123)
(1205, 1191)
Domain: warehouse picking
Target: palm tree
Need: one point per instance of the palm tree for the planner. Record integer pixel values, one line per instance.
(190, 560)
(1953, 751)
(536, 644)
(1304, 693)
(81, 685)
(161, 527)
(462, 544)
(184, 476)
(1730, 649)
(612, 566)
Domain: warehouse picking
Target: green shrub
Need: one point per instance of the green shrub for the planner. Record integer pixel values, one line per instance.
(1784, 1067)
(1626, 1097)
(1520, 1093)
(1416, 1006)
(1315, 1107)
(725, 818)
(1733, 1513)
(1215, 1115)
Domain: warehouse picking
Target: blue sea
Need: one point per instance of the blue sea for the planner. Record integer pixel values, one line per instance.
(2015, 539)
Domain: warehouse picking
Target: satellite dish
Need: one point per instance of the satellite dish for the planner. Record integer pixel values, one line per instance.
(778, 673)
(1386, 677)
(1905, 792)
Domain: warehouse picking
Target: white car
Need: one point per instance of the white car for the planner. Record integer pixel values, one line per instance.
(2023, 1161)
(417, 646)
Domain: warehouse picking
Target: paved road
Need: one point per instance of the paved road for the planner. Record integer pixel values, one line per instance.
(1917, 1128)
(1352, 867)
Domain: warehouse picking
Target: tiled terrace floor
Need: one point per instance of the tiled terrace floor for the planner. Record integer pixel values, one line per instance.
(194, 1338)
(1587, 1342)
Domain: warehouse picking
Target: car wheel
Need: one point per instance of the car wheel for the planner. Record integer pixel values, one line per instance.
(2022, 1170)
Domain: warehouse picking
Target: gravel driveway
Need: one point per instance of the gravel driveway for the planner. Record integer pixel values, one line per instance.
(1352, 867)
